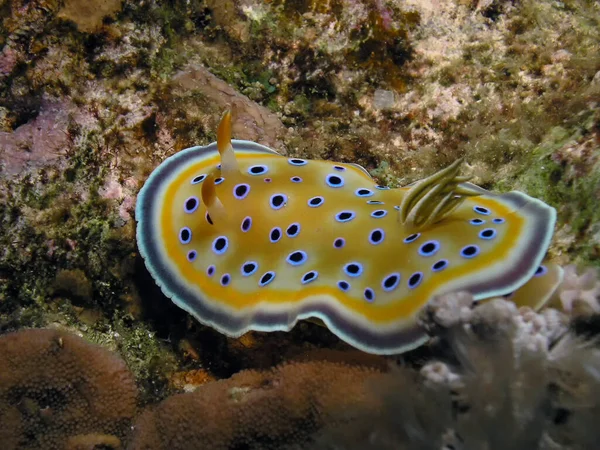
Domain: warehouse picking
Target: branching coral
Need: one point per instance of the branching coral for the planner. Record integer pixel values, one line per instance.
(57, 391)
(509, 380)
(579, 293)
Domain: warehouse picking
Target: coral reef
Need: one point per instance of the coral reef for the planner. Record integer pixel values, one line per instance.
(91, 103)
(58, 391)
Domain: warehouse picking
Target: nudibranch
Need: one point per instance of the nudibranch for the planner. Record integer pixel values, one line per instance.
(244, 238)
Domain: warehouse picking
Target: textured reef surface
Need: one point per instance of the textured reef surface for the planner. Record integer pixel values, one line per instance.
(94, 95)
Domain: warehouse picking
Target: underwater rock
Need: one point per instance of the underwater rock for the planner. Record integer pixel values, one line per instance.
(383, 99)
(39, 142)
(88, 14)
(253, 121)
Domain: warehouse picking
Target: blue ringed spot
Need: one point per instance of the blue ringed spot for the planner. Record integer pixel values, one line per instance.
(369, 294)
(316, 201)
(241, 191)
(353, 269)
(498, 220)
(185, 235)
(345, 216)
(376, 236)
(488, 233)
(278, 201)
(470, 251)
(374, 202)
(397, 207)
(198, 179)
(391, 282)
(249, 268)
(439, 265)
(415, 280)
(339, 168)
(378, 214)
(275, 234)
(429, 248)
(219, 166)
(309, 276)
(219, 180)
(220, 245)
(297, 162)
(339, 242)
(210, 270)
(191, 204)
(412, 238)
(343, 286)
(541, 271)
(481, 210)
(191, 256)
(476, 221)
(296, 180)
(267, 278)
(293, 230)
(246, 224)
(258, 169)
(334, 181)
(382, 188)
(363, 192)
(225, 279)
(296, 258)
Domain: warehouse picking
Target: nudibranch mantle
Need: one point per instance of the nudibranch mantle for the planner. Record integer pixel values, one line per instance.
(244, 239)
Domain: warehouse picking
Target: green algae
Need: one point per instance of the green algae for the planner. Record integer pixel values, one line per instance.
(149, 358)
(572, 190)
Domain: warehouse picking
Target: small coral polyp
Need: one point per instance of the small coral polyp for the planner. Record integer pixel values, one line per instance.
(244, 238)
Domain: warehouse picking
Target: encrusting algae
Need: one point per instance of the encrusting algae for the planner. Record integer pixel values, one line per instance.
(246, 239)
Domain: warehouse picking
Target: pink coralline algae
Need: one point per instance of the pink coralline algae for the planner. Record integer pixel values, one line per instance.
(122, 192)
(8, 60)
(37, 143)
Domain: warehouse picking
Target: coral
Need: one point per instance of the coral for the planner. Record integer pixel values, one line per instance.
(255, 409)
(493, 389)
(495, 317)
(59, 391)
(579, 293)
